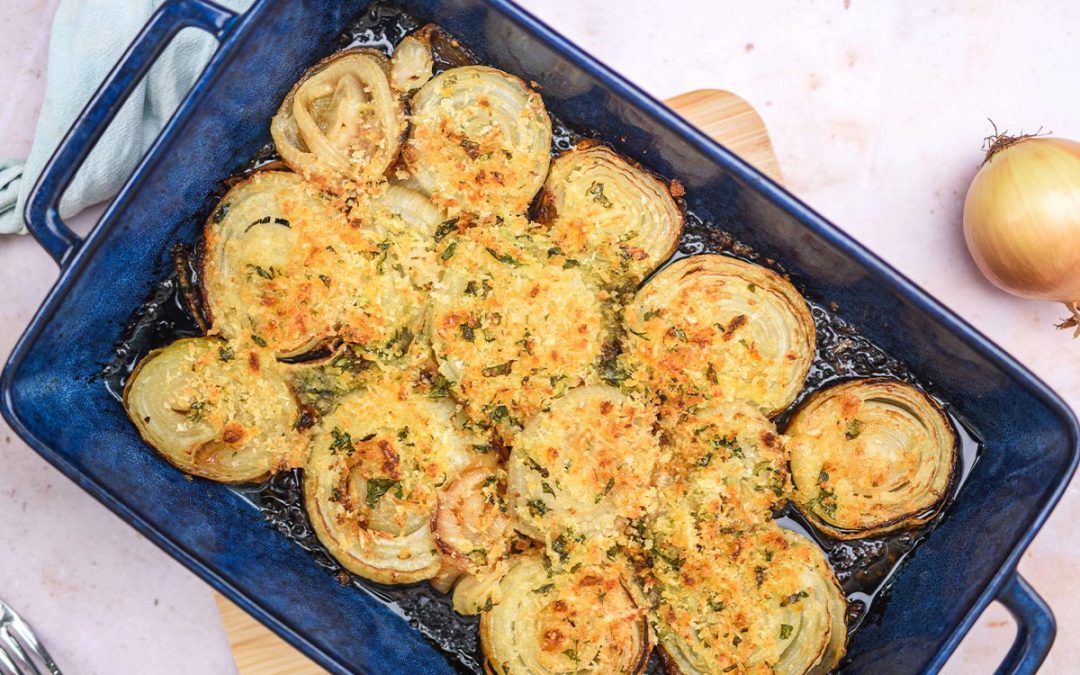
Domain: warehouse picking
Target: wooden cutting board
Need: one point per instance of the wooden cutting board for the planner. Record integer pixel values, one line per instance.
(720, 114)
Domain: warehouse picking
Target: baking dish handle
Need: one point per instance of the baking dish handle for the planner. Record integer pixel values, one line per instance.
(43, 207)
(1035, 627)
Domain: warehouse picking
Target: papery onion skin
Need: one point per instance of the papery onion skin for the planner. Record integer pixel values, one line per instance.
(1022, 219)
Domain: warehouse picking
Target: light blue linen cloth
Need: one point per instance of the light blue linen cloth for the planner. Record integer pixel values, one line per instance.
(88, 37)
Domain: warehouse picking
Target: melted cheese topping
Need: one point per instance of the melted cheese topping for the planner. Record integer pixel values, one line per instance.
(216, 411)
(546, 621)
(512, 329)
(584, 467)
(871, 455)
(764, 601)
(604, 210)
(370, 484)
(480, 141)
(710, 327)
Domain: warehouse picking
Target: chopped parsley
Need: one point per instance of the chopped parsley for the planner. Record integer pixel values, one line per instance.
(226, 353)
(596, 191)
(501, 369)
(537, 507)
(854, 428)
(342, 442)
(785, 631)
(377, 487)
(504, 258)
(445, 228)
(196, 411)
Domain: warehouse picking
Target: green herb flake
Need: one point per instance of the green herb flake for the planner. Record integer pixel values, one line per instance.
(711, 376)
(546, 487)
(258, 340)
(786, 630)
(496, 371)
(196, 411)
(793, 598)
(341, 442)
(545, 589)
(759, 575)
(467, 332)
(445, 228)
(651, 314)
(226, 353)
(504, 258)
(537, 507)
(854, 428)
(596, 191)
(377, 487)
(532, 464)
(448, 252)
(325, 280)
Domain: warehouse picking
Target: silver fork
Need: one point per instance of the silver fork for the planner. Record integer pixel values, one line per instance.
(21, 652)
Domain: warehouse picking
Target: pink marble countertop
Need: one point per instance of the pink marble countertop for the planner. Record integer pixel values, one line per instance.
(877, 110)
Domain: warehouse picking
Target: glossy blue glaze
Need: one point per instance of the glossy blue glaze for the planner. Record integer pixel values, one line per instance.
(54, 399)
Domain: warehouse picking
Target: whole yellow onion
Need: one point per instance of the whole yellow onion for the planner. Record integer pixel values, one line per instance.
(1022, 219)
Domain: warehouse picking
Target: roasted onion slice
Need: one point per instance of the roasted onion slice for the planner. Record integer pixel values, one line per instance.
(215, 410)
(341, 123)
(262, 264)
(606, 211)
(710, 327)
(543, 621)
(471, 525)
(512, 327)
(763, 601)
(870, 456)
(729, 471)
(480, 141)
(411, 64)
(583, 466)
(411, 223)
(370, 481)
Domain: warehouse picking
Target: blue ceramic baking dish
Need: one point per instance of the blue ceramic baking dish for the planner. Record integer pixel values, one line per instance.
(54, 398)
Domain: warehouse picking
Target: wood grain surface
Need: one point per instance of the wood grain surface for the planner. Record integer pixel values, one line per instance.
(720, 114)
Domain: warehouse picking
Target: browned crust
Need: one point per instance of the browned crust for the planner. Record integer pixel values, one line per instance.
(910, 520)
